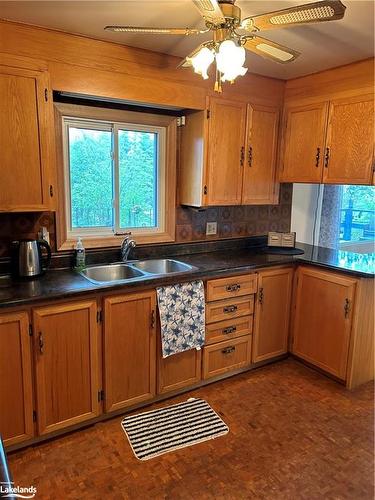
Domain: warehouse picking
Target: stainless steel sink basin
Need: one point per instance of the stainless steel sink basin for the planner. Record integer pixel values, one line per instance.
(111, 272)
(134, 270)
(161, 266)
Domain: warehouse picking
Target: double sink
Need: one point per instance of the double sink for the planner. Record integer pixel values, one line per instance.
(135, 270)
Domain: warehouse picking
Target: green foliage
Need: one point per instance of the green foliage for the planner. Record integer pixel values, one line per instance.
(92, 178)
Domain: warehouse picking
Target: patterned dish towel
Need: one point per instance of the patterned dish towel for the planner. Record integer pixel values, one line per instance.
(181, 309)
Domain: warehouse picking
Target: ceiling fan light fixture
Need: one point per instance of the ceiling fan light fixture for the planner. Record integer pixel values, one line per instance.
(202, 60)
(230, 59)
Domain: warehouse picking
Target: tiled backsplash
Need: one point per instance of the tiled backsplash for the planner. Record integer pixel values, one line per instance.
(235, 221)
(232, 222)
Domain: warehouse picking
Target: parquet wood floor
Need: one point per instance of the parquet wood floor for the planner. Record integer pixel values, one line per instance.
(294, 434)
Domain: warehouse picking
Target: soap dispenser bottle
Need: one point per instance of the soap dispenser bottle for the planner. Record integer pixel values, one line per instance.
(80, 257)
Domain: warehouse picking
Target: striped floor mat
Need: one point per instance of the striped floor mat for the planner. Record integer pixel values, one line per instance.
(158, 431)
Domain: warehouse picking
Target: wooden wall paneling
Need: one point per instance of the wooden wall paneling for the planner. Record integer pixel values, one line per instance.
(344, 81)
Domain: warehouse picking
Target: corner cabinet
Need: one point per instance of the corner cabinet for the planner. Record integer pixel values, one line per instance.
(27, 140)
(323, 318)
(228, 155)
(329, 142)
(129, 349)
(16, 396)
(66, 364)
(272, 313)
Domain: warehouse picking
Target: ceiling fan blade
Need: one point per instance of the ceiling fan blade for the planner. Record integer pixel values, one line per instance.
(210, 10)
(270, 50)
(316, 12)
(154, 31)
(186, 63)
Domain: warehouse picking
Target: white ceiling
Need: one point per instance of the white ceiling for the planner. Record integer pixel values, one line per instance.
(323, 45)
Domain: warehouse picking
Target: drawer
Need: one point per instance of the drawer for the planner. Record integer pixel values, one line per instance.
(229, 329)
(234, 286)
(228, 309)
(226, 356)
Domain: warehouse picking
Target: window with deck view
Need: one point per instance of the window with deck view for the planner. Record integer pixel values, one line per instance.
(114, 177)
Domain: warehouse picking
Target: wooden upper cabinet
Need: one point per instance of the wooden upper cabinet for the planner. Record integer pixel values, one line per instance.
(323, 319)
(303, 143)
(350, 141)
(129, 349)
(272, 313)
(226, 152)
(26, 140)
(16, 415)
(66, 359)
(259, 178)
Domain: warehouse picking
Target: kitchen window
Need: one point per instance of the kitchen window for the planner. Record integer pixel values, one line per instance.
(118, 176)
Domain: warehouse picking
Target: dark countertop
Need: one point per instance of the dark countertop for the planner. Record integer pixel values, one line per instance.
(59, 284)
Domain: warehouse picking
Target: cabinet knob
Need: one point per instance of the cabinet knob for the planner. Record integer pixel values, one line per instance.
(242, 156)
(41, 343)
(346, 308)
(228, 350)
(317, 157)
(230, 309)
(233, 288)
(229, 329)
(326, 158)
(250, 156)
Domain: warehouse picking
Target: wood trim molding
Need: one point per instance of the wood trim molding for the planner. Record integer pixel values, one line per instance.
(168, 235)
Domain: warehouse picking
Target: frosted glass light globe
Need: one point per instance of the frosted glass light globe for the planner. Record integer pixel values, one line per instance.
(230, 60)
(202, 60)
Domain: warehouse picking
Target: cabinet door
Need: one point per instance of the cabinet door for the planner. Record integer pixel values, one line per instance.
(16, 415)
(259, 181)
(25, 140)
(349, 153)
(272, 313)
(303, 143)
(129, 349)
(66, 343)
(225, 152)
(179, 370)
(323, 318)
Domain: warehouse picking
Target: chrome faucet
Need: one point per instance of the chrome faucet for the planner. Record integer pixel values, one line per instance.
(126, 247)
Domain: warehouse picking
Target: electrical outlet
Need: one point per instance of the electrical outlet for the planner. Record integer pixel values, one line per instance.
(211, 228)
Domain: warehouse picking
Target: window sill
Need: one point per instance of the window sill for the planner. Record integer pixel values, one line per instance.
(115, 241)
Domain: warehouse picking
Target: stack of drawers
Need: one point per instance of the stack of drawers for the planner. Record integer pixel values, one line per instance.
(229, 324)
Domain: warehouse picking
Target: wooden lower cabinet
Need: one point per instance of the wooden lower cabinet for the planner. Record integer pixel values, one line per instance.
(16, 414)
(129, 349)
(324, 303)
(178, 371)
(272, 313)
(66, 364)
(226, 356)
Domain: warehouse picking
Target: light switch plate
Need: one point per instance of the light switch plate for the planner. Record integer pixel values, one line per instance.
(211, 228)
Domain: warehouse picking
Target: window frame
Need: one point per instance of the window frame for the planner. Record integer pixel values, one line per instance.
(166, 127)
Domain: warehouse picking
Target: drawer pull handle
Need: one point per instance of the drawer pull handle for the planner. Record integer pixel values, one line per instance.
(230, 329)
(230, 309)
(233, 288)
(228, 350)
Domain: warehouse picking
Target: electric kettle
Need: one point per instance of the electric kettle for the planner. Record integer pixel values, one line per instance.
(27, 258)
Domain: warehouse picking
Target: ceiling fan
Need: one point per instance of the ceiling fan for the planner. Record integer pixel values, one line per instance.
(228, 43)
